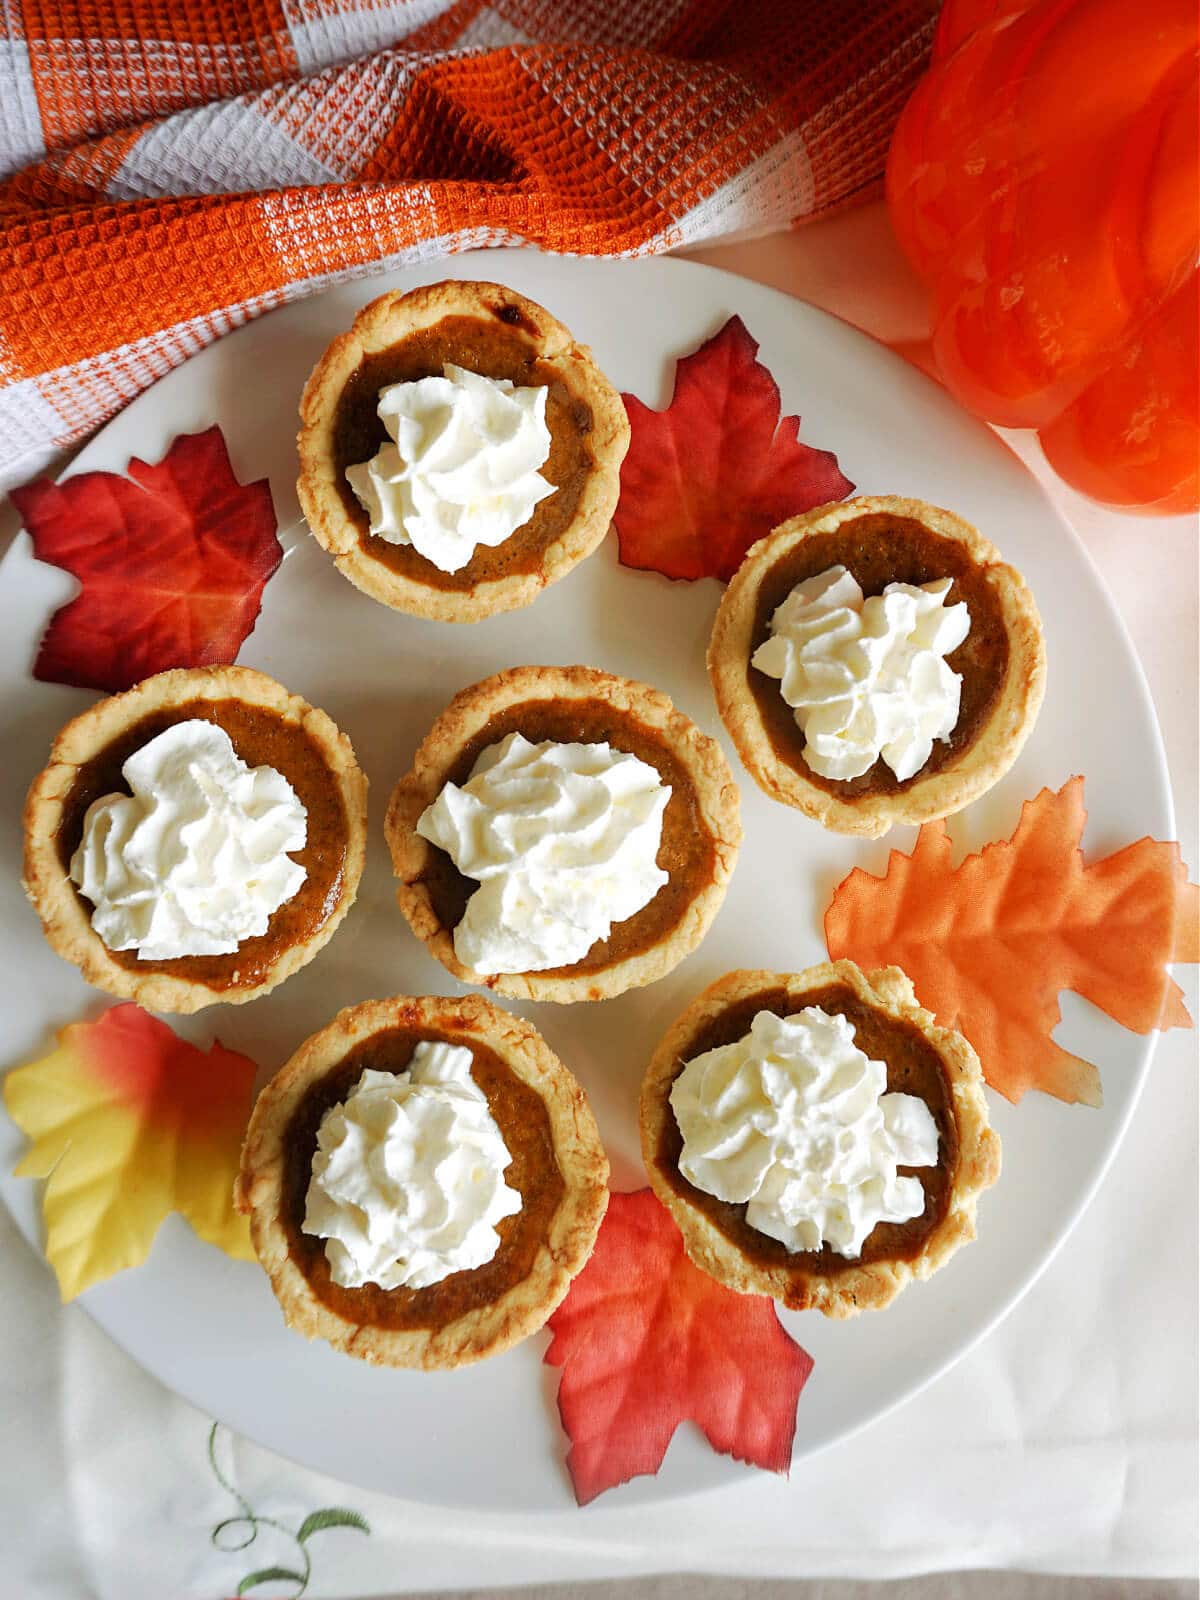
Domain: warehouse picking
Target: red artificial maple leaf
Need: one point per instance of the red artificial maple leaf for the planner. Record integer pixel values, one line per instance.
(719, 468)
(172, 561)
(647, 1341)
(991, 943)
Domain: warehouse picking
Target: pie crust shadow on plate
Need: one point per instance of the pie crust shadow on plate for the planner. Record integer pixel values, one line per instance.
(533, 347)
(478, 1329)
(823, 1281)
(704, 828)
(188, 983)
(952, 778)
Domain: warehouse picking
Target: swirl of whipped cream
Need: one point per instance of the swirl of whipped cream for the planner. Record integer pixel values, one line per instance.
(866, 678)
(793, 1119)
(408, 1175)
(462, 469)
(563, 840)
(195, 859)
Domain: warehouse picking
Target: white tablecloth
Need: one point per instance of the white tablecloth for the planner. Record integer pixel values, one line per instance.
(1065, 1443)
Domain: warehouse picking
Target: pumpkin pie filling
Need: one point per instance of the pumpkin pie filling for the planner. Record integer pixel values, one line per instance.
(687, 851)
(524, 1125)
(913, 1067)
(260, 738)
(878, 549)
(494, 349)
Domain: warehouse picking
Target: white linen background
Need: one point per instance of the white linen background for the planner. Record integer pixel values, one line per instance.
(1065, 1442)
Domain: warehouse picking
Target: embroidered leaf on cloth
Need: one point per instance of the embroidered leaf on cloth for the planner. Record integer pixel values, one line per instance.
(172, 561)
(238, 1533)
(719, 468)
(991, 943)
(646, 1341)
(128, 1122)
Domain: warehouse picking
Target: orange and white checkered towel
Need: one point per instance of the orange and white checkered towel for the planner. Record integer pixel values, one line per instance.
(171, 168)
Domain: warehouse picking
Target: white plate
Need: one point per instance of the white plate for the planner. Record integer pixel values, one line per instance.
(488, 1436)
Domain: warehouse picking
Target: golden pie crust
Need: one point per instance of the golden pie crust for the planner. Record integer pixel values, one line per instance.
(465, 717)
(384, 323)
(798, 1284)
(924, 798)
(483, 1330)
(66, 916)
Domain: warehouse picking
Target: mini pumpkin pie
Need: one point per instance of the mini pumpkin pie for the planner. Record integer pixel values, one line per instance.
(423, 1178)
(459, 451)
(196, 839)
(876, 662)
(816, 1135)
(563, 834)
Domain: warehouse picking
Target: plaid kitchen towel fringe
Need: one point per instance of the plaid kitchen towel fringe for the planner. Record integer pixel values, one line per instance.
(171, 168)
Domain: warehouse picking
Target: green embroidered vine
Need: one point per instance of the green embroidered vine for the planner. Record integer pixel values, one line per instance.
(245, 1526)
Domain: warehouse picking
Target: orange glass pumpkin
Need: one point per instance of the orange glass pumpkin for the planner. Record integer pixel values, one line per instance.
(1043, 180)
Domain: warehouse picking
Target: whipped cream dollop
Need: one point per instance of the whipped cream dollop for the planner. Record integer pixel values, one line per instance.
(794, 1120)
(867, 678)
(408, 1175)
(195, 858)
(462, 468)
(563, 840)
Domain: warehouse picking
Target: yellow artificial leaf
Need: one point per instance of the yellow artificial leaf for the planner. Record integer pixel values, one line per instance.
(128, 1122)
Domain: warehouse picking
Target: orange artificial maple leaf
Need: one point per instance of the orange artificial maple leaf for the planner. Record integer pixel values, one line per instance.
(129, 1122)
(647, 1341)
(990, 944)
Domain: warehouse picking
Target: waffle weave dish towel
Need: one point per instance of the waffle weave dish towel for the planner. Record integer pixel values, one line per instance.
(171, 168)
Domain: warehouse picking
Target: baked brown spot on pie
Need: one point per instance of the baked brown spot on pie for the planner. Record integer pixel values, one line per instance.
(494, 350)
(524, 1125)
(687, 851)
(913, 1067)
(878, 549)
(260, 738)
